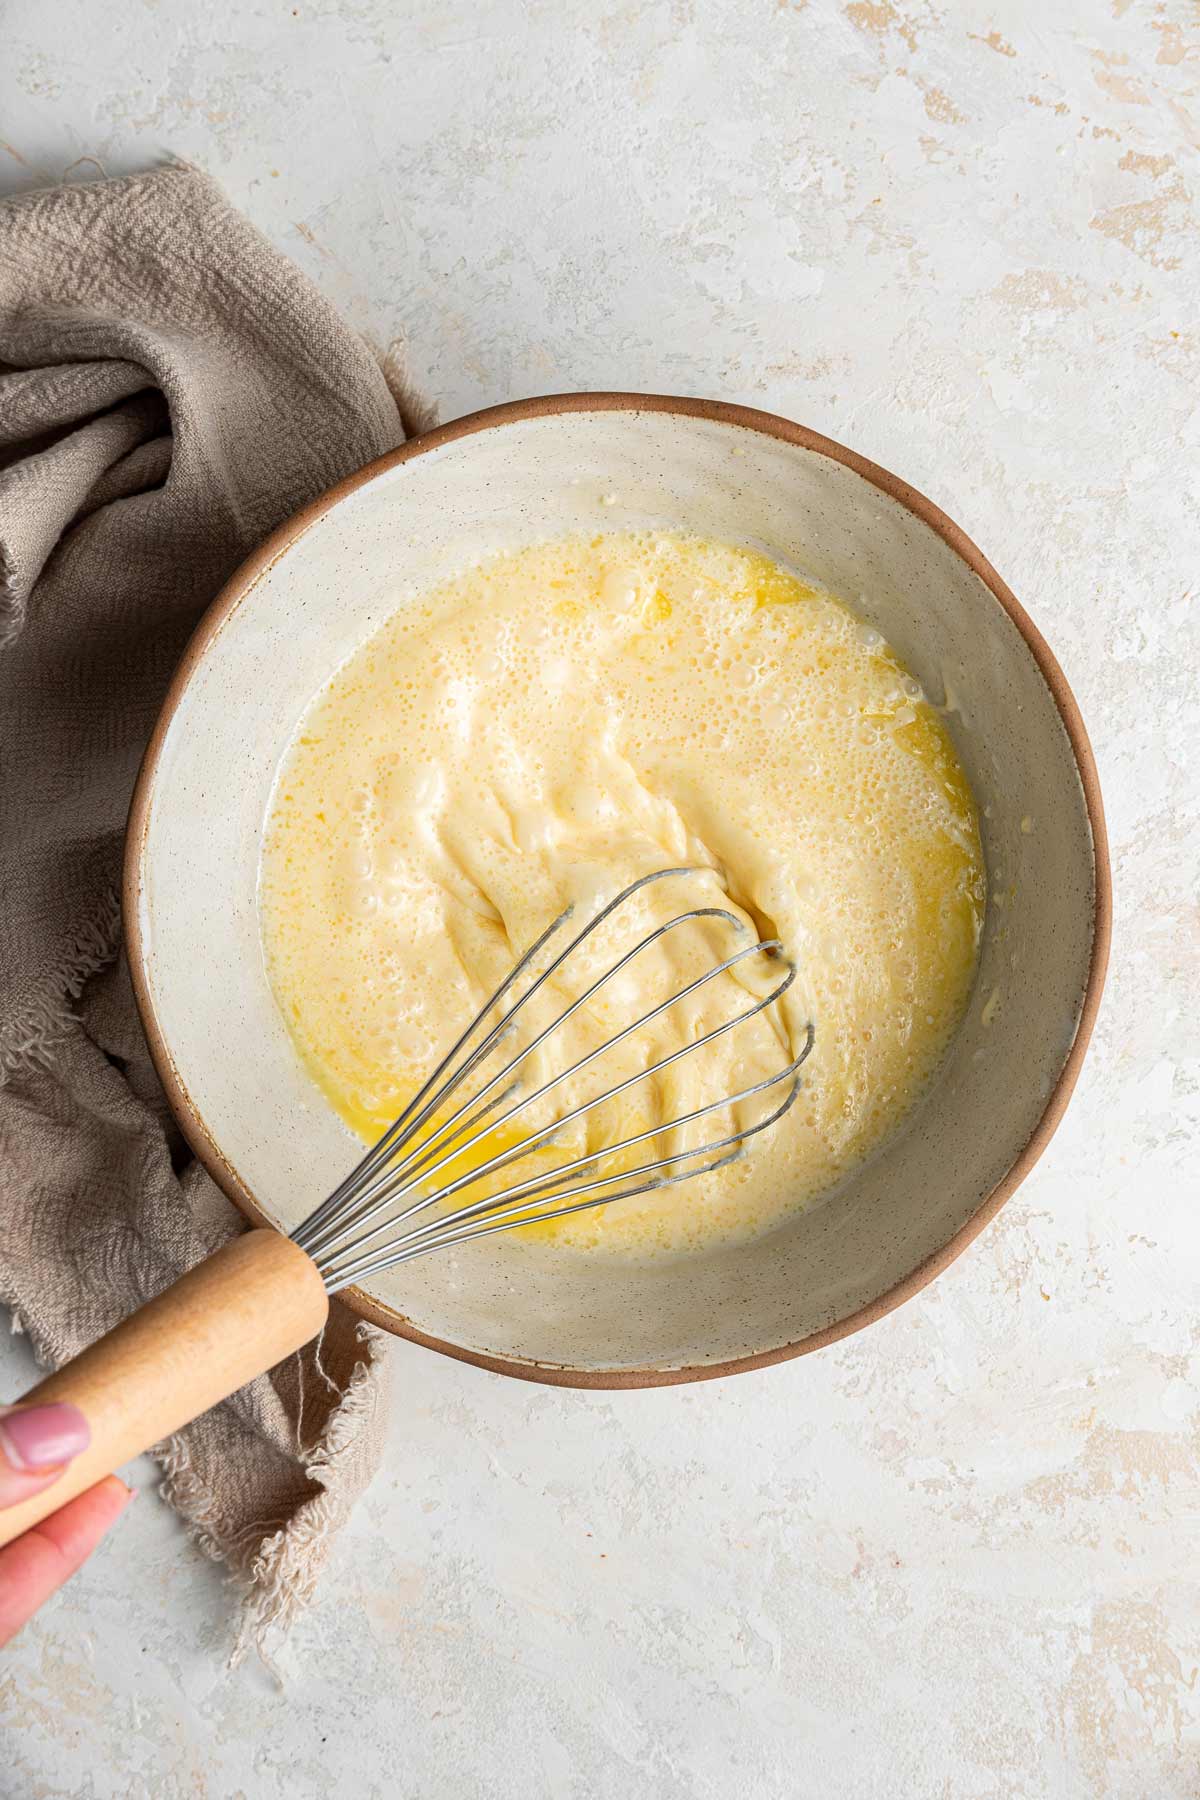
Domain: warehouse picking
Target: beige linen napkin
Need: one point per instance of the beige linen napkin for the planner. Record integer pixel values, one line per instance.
(171, 388)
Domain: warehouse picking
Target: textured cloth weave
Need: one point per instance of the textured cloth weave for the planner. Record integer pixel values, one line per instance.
(171, 388)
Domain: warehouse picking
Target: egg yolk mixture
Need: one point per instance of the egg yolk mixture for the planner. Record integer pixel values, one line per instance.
(556, 722)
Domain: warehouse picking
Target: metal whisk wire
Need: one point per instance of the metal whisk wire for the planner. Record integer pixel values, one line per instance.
(357, 1231)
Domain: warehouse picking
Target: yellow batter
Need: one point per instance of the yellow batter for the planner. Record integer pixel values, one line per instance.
(558, 721)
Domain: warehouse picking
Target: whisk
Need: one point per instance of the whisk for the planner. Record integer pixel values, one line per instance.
(418, 1189)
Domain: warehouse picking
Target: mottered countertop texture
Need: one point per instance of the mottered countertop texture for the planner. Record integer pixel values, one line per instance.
(956, 1557)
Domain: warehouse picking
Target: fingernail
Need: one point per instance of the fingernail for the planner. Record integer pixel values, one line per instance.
(41, 1437)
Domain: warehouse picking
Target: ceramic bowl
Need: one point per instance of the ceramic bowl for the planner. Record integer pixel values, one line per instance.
(326, 580)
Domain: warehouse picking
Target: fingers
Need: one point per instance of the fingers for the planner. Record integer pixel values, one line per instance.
(36, 1565)
(36, 1443)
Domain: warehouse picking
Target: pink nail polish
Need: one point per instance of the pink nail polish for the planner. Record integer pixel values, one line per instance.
(40, 1437)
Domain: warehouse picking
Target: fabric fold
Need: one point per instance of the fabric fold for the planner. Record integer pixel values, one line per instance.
(171, 389)
(42, 493)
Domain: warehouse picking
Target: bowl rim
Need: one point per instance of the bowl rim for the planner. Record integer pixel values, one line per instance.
(244, 579)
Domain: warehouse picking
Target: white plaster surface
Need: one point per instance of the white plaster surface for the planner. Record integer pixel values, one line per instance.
(958, 1556)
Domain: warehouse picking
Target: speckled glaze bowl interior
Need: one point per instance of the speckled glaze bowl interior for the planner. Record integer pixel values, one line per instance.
(495, 481)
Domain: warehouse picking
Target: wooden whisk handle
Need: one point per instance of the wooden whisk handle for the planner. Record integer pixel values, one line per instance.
(253, 1303)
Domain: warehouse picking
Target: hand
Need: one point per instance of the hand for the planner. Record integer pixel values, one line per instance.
(36, 1444)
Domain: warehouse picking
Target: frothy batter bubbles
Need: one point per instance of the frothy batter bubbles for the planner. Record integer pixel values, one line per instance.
(555, 722)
